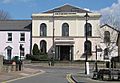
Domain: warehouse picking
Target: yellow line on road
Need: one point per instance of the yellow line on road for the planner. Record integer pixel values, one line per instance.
(70, 80)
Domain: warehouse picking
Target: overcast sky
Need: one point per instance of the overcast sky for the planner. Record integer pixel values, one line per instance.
(23, 9)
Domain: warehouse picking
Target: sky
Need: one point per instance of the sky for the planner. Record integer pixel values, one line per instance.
(23, 9)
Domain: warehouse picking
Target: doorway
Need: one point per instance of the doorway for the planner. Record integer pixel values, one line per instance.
(64, 53)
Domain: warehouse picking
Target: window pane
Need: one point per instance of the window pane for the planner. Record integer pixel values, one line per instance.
(9, 54)
(9, 36)
(43, 29)
(22, 36)
(88, 29)
(43, 46)
(87, 47)
(65, 29)
(106, 36)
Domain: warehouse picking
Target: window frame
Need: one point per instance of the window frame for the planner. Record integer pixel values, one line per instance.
(43, 46)
(88, 47)
(22, 37)
(9, 37)
(65, 30)
(106, 36)
(43, 30)
(88, 32)
(9, 54)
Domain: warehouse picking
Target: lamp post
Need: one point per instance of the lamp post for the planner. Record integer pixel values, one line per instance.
(86, 37)
(20, 62)
(53, 50)
(96, 67)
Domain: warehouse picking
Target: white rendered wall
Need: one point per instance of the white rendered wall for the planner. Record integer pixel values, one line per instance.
(15, 42)
(76, 31)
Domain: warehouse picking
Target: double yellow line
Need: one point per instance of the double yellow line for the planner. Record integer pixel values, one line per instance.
(69, 78)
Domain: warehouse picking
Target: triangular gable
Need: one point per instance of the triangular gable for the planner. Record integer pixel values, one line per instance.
(67, 8)
(109, 27)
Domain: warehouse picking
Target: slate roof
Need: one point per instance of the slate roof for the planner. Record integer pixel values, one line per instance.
(15, 25)
(67, 8)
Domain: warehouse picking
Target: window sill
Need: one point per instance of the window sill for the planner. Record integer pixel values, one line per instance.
(21, 41)
(9, 42)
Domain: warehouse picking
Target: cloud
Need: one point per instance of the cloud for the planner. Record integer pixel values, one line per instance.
(87, 9)
(111, 15)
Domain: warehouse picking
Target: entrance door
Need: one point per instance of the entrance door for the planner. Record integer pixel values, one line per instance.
(9, 54)
(64, 52)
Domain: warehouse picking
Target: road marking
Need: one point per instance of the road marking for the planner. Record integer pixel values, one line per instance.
(70, 80)
(41, 72)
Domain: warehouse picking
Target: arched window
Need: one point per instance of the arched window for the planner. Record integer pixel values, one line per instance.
(88, 47)
(43, 29)
(107, 37)
(43, 46)
(65, 29)
(88, 30)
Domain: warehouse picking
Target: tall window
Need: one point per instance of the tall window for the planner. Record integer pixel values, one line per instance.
(43, 46)
(88, 29)
(87, 47)
(107, 37)
(9, 52)
(106, 50)
(43, 29)
(9, 36)
(22, 36)
(65, 29)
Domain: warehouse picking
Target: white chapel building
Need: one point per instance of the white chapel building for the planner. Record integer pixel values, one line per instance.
(64, 29)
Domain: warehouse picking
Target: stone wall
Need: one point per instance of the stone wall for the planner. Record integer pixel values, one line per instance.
(1, 62)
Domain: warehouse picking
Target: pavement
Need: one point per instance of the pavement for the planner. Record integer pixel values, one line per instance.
(26, 72)
(82, 78)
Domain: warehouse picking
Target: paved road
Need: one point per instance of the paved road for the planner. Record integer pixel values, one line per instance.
(51, 75)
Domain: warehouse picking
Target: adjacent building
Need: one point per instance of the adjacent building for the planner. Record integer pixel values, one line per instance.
(13, 34)
(109, 37)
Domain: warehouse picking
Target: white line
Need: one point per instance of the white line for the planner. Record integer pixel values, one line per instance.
(41, 72)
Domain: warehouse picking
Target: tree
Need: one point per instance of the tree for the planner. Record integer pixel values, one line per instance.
(111, 17)
(36, 49)
(4, 15)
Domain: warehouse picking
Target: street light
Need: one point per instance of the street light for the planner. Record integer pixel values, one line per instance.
(96, 67)
(20, 62)
(53, 50)
(86, 61)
